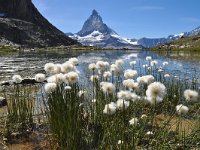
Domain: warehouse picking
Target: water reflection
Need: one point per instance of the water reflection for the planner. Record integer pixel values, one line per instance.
(29, 63)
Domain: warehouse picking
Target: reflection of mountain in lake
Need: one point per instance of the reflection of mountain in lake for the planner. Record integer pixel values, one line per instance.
(28, 64)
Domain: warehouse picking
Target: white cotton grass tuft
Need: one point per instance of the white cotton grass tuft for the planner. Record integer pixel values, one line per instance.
(129, 73)
(130, 84)
(71, 77)
(68, 88)
(110, 108)
(67, 67)
(154, 63)
(57, 78)
(92, 66)
(107, 74)
(117, 70)
(49, 68)
(122, 94)
(102, 65)
(134, 121)
(119, 62)
(50, 87)
(122, 104)
(40, 77)
(148, 58)
(17, 79)
(155, 92)
(57, 69)
(73, 61)
(120, 142)
(145, 66)
(94, 78)
(107, 87)
(127, 95)
(181, 109)
(191, 95)
(133, 63)
(147, 79)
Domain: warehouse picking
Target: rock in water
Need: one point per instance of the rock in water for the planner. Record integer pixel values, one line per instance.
(3, 102)
(21, 23)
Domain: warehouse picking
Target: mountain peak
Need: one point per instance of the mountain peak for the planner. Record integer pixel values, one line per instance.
(94, 12)
(94, 23)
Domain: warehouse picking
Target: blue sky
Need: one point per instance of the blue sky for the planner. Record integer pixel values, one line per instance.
(129, 18)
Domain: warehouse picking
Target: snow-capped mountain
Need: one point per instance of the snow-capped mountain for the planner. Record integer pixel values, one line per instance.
(152, 42)
(96, 33)
(194, 32)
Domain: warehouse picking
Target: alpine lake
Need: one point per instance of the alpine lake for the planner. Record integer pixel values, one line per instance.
(27, 64)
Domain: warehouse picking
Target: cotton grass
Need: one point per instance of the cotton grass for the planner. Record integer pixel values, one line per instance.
(155, 92)
(40, 77)
(191, 95)
(147, 79)
(50, 87)
(110, 109)
(122, 104)
(108, 88)
(129, 74)
(49, 68)
(17, 79)
(134, 121)
(181, 109)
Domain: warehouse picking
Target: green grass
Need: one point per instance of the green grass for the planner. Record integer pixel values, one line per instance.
(5, 50)
(193, 43)
(75, 122)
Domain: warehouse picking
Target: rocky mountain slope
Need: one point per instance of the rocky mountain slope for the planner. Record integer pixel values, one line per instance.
(152, 42)
(22, 24)
(96, 33)
(185, 43)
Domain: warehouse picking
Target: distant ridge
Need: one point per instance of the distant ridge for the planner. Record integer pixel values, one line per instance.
(152, 42)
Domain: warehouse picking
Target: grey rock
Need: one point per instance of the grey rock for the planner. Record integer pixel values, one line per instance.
(22, 24)
(95, 23)
(3, 102)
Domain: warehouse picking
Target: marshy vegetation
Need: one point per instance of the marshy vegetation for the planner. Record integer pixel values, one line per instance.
(109, 108)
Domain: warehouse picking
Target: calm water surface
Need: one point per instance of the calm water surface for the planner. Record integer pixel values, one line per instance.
(29, 63)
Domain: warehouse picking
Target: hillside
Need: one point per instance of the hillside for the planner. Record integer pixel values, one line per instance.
(22, 24)
(185, 43)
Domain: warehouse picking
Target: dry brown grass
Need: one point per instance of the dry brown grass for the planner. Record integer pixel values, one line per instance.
(186, 125)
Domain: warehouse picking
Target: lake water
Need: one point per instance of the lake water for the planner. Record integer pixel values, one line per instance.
(29, 63)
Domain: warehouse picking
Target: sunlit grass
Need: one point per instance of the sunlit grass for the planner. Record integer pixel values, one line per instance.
(115, 108)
